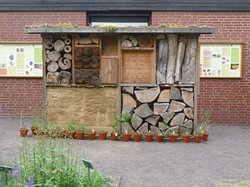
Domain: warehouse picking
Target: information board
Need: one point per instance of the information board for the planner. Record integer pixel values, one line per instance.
(21, 60)
(220, 60)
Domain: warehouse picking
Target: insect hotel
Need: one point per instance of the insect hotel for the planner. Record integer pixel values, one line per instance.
(92, 74)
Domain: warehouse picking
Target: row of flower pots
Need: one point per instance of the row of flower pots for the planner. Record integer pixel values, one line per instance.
(126, 136)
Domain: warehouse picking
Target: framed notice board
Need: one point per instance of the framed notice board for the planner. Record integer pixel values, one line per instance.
(21, 60)
(218, 60)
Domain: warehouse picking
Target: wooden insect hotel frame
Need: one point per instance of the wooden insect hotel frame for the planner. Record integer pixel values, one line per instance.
(91, 75)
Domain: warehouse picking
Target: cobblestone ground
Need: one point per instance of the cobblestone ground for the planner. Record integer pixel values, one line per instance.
(226, 156)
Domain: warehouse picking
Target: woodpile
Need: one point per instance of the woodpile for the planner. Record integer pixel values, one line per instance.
(176, 59)
(90, 39)
(143, 41)
(58, 58)
(155, 108)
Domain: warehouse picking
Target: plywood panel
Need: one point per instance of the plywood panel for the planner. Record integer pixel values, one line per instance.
(109, 70)
(94, 107)
(138, 66)
(109, 45)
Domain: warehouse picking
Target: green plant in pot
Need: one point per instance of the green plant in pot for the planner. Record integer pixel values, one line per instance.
(92, 134)
(137, 136)
(205, 124)
(149, 136)
(173, 135)
(80, 132)
(186, 136)
(51, 130)
(115, 126)
(160, 135)
(35, 122)
(23, 130)
(125, 120)
(198, 135)
(71, 129)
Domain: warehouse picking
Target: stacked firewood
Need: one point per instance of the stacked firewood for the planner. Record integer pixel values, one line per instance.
(58, 58)
(130, 41)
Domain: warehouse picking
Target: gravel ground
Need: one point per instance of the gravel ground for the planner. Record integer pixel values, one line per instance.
(226, 156)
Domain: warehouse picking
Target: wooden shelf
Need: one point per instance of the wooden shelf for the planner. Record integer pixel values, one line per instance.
(139, 48)
(90, 46)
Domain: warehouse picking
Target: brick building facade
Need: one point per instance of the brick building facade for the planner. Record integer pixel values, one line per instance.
(229, 99)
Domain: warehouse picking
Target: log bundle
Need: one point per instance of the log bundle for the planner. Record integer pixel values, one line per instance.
(87, 64)
(177, 59)
(143, 41)
(159, 108)
(58, 58)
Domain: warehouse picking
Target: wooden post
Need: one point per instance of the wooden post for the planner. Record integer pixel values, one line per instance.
(180, 57)
(162, 62)
(172, 51)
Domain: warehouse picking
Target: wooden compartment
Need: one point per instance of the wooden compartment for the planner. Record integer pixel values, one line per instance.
(109, 70)
(138, 66)
(109, 45)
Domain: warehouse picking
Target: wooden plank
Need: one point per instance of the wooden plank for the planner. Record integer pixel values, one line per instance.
(180, 58)
(109, 70)
(138, 67)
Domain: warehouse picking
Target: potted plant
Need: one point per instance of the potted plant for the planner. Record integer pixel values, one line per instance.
(92, 135)
(186, 137)
(173, 136)
(115, 125)
(51, 130)
(103, 135)
(125, 120)
(137, 136)
(22, 129)
(149, 136)
(198, 135)
(35, 124)
(160, 136)
(71, 131)
(205, 123)
(79, 135)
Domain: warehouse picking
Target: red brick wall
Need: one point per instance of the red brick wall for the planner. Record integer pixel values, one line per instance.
(229, 99)
(18, 94)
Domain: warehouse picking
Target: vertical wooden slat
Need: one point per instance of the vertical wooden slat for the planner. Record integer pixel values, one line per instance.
(162, 62)
(196, 86)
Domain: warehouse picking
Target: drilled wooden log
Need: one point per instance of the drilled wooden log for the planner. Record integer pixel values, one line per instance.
(64, 64)
(162, 62)
(85, 41)
(91, 77)
(179, 60)
(133, 40)
(172, 51)
(67, 49)
(67, 41)
(87, 51)
(95, 62)
(64, 36)
(64, 77)
(126, 44)
(54, 56)
(48, 45)
(59, 45)
(51, 78)
(52, 67)
(47, 60)
(188, 67)
(68, 56)
(48, 39)
(94, 38)
(76, 39)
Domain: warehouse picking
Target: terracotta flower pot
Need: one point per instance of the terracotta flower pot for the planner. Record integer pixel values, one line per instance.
(173, 138)
(137, 137)
(149, 137)
(79, 135)
(102, 135)
(205, 136)
(114, 136)
(159, 138)
(185, 137)
(23, 132)
(197, 138)
(126, 136)
(92, 135)
(70, 135)
(34, 130)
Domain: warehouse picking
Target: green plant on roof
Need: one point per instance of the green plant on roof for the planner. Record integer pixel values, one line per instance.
(110, 28)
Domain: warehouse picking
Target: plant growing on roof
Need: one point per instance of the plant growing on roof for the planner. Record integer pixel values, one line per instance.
(110, 28)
